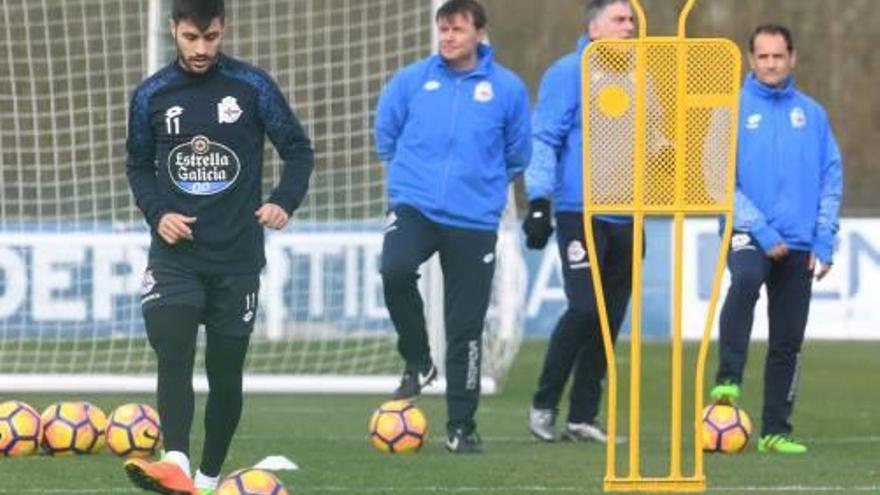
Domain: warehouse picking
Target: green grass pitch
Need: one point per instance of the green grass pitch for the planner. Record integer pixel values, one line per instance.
(837, 414)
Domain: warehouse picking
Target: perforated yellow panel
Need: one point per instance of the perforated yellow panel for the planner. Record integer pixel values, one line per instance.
(660, 120)
(659, 125)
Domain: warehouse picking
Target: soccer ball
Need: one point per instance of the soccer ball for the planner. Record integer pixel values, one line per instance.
(726, 429)
(251, 482)
(398, 427)
(73, 428)
(20, 429)
(134, 431)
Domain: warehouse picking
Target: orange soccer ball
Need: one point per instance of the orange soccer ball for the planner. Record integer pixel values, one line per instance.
(398, 427)
(73, 428)
(251, 481)
(134, 431)
(726, 429)
(20, 429)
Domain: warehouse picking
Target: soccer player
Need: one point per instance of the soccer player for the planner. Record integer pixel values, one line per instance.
(195, 156)
(555, 175)
(789, 186)
(453, 130)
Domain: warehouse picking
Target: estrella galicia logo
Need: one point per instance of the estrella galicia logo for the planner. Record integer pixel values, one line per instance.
(203, 167)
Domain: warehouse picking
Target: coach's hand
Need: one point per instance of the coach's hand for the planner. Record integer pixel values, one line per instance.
(174, 227)
(778, 252)
(272, 216)
(819, 269)
(538, 224)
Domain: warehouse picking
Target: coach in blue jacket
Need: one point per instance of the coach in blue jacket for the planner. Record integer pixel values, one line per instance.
(555, 175)
(454, 131)
(789, 186)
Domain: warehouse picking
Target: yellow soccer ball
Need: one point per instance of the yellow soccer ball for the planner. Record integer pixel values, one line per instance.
(20, 429)
(73, 428)
(726, 429)
(134, 431)
(251, 481)
(398, 427)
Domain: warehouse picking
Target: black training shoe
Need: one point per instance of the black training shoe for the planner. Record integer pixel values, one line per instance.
(412, 383)
(460, 443)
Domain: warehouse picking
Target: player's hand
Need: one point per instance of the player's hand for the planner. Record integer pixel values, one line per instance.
(819, 269)
(272, 216)
(778, 252)
(174, 227)
(538, 225)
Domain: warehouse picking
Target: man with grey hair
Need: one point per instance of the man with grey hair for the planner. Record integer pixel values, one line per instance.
(554, 176)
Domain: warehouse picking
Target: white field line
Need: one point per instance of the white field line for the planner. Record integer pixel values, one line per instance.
(796, 488)
(480, 489)
(525, 438)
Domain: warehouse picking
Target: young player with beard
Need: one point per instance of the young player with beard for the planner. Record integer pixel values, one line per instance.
(195, 156)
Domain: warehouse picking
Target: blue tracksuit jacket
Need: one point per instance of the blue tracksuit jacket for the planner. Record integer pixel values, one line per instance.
(453, 141)
(789, 180)
(556, 169)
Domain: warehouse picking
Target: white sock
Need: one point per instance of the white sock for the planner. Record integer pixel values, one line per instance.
(204, 481)
(179, 458)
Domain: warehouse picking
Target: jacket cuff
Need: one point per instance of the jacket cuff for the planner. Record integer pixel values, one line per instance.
(767, 237)
(540, 203)
(287, 203)
(823, 248)
(155, 216)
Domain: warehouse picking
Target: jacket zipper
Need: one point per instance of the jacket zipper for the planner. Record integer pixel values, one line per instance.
(452, 126)
(779, 156)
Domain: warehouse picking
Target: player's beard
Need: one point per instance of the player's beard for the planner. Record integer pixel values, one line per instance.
(197, 65)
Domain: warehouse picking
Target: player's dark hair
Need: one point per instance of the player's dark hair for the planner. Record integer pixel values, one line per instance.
(470, 8)
(595, 8)
(200, 12)
(773, 29)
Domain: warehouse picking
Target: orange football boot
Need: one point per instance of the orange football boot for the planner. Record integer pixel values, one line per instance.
(160, 477)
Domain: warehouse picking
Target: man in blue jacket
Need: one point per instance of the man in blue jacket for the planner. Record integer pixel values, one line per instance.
(454, 131)
(788, 192)
(556, 174)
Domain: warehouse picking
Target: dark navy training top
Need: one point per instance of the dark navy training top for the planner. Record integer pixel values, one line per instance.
(195, 147)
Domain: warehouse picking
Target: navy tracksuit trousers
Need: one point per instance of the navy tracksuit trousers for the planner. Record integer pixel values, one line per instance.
(789, 287)
(467, 258)
(576, 342)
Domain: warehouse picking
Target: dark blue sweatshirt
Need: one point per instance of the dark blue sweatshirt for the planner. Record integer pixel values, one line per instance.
(195, 147)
